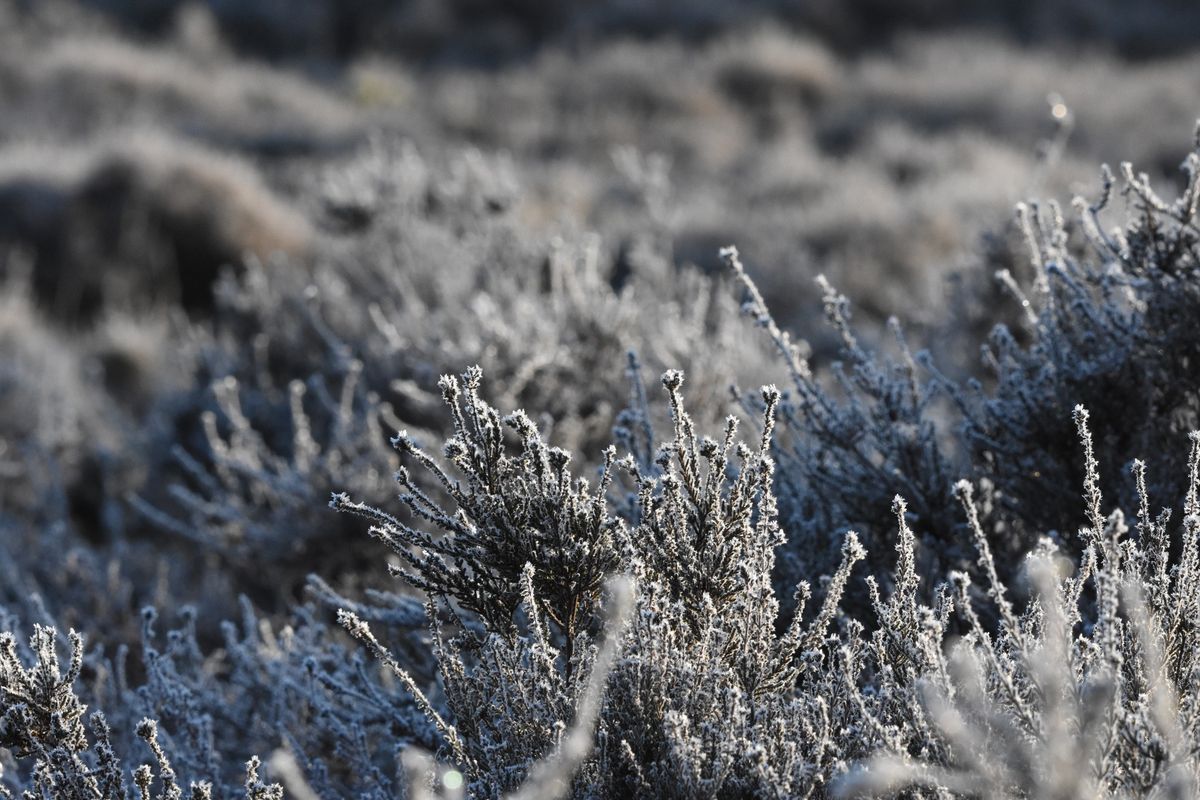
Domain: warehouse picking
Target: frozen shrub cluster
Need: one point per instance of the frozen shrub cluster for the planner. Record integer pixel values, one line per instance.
(688, 678)
(42, 722)
(877, 577)
(1108, 328)
(700, 655)
(1103, 323)
(130, 222)
(891, 163)
(1080, 686)
(1050, 670)
(294, 686)
(881, 162)
(309, 405)
(250, 491)
(1035, 708)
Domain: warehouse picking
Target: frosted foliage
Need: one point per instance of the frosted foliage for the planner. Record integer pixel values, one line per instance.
(330, 465)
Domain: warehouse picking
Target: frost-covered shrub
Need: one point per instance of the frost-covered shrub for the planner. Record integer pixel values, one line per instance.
(249, 493)
(510, 515)
(851, 448)
(896, 171)
(291, 685)
(57, 755)
(446, 272)
(1104, 324)
(1108, 327)
(707, 699)
(700, 540)
(305, 388)
(701, 649)
(1035, 709)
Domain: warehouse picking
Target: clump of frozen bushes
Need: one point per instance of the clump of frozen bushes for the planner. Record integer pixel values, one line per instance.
(876, 576)
(1071, 660)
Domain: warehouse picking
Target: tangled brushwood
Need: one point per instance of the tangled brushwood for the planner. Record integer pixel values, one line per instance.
(878, 576)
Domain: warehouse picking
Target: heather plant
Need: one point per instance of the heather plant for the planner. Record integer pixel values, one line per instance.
(1107, 329)
(1008, 710)
(248, 493)
(41, 723)
(448, 274)
(849, 447)
(1034, 709)
(291, 686)
(509, 515)
(302, 384)
(895, 166)
(694, 539)
(701, 649)
(270, 686)
(1101, 326)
